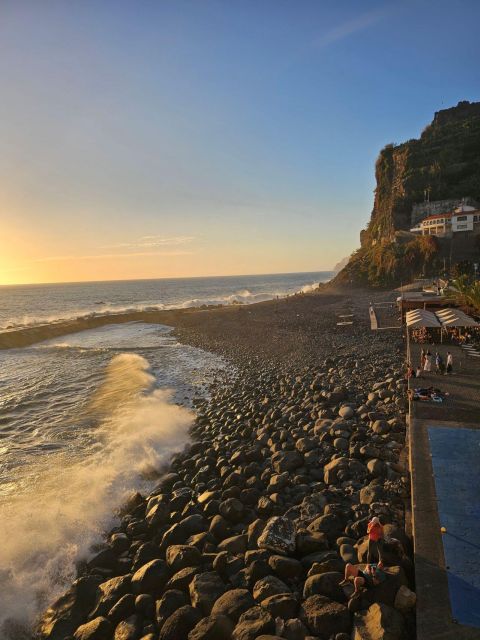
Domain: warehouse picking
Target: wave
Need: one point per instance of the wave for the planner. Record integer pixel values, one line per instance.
(45, 533)
(33, 330)
(240, 297)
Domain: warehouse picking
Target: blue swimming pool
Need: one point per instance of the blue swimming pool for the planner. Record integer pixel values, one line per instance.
(456, 468)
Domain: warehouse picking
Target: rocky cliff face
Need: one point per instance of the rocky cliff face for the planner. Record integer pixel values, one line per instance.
(445, 161)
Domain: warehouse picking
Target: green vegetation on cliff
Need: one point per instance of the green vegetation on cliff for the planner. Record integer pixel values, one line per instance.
(445, 160)
(390, 264)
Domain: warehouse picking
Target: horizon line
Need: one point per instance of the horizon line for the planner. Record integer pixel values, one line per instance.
(232, 275)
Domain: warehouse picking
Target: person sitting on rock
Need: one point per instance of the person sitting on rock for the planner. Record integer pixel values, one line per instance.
(375, 541)
(367, 578)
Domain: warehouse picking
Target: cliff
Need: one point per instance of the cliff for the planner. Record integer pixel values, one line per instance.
(445, 161)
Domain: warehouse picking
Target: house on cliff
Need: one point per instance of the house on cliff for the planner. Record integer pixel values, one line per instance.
(465, 220)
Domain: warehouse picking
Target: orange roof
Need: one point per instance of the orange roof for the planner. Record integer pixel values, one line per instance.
(438, 215)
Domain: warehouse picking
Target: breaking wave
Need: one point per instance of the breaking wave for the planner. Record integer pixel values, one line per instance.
(47, 530)
(105, 310)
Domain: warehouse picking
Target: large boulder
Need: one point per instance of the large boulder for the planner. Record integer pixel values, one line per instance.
(254, 531)
(286, 568)
(268, 586)
(180, 623)
(179, 532)
(287, 461)
(325, 584)
(205, 589)
(180, 556)
(233, 603)
(346, 412)
(151, 578)
(331, 564)
(312, 506)
(231, 509)
(158, 515)
(373, 493)
(123, 609)
(405, 599)
(311, 542)
(235, 544)
(212, 628)
(168, 604)
(181, 580)
(329, 524)
(341, 469)
(109, 593)
(253, 623)
(129, 629)
(145, 553)
(281, 605)
(377, 468)
(378, 622)
(381, 427)
(219, 527)
(335, 470)
(70, 610)
(292, 629)
(324, 617)
(279, 535)
(97, 629)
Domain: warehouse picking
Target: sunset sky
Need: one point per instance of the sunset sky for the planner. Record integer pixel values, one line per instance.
(170, 138)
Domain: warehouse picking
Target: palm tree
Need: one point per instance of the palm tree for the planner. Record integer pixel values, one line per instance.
(465, 292)
(474, 295)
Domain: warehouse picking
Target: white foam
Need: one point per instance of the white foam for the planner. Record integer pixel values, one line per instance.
(45, 531)
(243, 296)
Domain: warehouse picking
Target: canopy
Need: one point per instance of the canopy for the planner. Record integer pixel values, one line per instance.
(459, 322)
(422, 318)
(445, 312)
(455, 318)
(443, 318)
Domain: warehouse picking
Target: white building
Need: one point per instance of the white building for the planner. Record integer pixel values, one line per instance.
(465, 218)
(439, 224)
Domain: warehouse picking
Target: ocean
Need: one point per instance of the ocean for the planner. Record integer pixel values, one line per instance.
(27, 305)
(89, 417)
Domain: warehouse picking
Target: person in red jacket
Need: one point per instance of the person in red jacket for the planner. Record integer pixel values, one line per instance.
(375, 541)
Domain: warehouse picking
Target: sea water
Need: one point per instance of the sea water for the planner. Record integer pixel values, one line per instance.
(87, 418)
(26, 305)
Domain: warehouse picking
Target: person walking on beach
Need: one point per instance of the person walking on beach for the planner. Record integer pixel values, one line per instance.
(428, 361)
(422, 359)
(375, 541)
(438, 363)
(449, 362)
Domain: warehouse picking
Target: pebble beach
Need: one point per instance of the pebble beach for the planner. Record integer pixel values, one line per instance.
(300, 442)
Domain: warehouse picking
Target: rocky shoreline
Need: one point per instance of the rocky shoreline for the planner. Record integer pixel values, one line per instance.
(247, 535)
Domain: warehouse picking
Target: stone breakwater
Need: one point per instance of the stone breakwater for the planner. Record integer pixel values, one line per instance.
(247, 536)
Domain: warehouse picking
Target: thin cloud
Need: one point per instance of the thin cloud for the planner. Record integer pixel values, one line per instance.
(103, 256)
(350, 27)
(148, 242)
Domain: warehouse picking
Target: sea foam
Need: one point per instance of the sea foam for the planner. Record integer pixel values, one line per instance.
(242, 296)
(48, 529)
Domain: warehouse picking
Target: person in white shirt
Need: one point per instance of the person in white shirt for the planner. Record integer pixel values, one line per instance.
(449, 362)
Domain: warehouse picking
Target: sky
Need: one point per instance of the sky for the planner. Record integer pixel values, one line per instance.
(172, 138)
